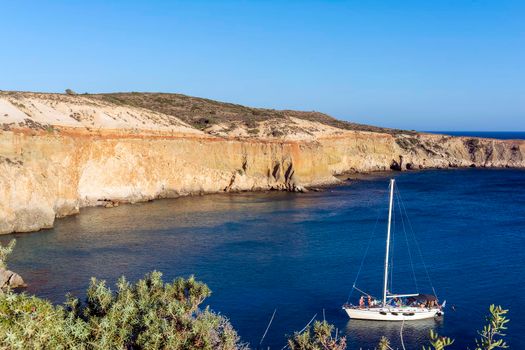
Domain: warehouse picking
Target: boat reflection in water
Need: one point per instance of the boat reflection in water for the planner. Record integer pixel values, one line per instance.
(415, 334)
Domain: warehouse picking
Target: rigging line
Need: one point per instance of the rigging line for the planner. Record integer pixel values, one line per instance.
(406, 240)
(417, 245)
(419, 251)
(364, 256)
(313, 318)
(268, 327)
(363, 292)
(401, 335)
(302, 330)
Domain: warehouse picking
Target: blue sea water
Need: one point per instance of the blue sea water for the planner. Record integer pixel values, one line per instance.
(502, 135)
(300, 253)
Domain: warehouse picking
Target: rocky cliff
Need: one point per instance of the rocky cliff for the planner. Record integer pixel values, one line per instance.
(59, 153)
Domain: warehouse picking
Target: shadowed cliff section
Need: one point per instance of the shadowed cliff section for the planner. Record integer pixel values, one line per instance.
(59, 153)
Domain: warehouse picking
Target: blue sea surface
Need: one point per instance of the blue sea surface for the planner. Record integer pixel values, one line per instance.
(300, 253)
(502, 135)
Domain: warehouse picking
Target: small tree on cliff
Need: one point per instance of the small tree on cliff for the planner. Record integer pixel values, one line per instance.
(5, 251)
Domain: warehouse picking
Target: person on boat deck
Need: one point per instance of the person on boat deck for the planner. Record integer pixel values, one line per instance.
(370, 301)
(362, 302)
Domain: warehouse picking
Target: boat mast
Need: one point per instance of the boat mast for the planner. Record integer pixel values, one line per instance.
(385, 284)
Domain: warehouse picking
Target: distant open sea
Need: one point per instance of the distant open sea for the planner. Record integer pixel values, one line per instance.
(503, 135)
(300, 253)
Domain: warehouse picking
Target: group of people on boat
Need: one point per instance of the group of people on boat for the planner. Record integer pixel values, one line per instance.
(372, 302)
(421, 301)
(428, 301)
(429, 304)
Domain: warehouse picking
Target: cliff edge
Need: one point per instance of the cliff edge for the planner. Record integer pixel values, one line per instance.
(59, 153)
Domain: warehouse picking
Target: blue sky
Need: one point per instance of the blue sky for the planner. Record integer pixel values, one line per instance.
(425, 65)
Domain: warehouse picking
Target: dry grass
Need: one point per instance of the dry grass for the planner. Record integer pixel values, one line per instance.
(202, 113)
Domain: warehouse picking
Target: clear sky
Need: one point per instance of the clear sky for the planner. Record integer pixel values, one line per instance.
(425, 65)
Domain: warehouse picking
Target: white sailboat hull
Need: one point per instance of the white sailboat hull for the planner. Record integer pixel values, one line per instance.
(392, 314)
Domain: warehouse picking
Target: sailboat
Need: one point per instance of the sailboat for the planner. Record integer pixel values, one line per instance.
(394, 307)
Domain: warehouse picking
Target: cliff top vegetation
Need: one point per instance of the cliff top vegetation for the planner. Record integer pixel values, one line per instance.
(202, 113)
(205, 115)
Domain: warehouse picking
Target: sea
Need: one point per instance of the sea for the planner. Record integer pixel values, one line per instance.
(502, 135)
(300, 253)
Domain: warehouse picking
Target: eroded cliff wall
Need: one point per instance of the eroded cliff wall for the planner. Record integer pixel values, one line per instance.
(48, 176)
(52, 169)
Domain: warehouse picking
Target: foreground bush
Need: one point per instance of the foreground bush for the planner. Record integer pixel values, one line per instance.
(320, 338)
(150, 314)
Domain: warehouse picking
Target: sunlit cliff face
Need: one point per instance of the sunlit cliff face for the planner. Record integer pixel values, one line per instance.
(60, 153)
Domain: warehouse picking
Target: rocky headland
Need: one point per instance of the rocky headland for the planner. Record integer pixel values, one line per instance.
(59, 152)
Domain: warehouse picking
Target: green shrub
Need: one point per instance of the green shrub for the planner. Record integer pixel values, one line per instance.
(438, 342)
(149, 314)
(384, 344)
(321, 338)
(5, 252)
(491, 337)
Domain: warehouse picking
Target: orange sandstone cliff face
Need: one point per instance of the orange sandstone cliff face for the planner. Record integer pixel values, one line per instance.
(44, 176)
(60, 153)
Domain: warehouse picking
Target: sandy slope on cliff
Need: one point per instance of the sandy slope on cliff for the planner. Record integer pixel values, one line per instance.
(45, 111)
(196, 117)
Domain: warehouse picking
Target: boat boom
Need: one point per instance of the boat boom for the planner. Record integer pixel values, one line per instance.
(402, 295)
